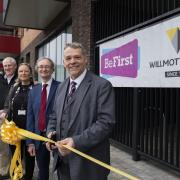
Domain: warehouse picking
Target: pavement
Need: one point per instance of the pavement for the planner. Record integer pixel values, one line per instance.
(144, 169)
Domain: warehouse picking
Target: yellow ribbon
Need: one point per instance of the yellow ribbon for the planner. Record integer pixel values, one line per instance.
(11, 134)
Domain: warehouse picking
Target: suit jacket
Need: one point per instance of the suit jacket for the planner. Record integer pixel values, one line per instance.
(4, 89)
(34, 100)
(92, 118)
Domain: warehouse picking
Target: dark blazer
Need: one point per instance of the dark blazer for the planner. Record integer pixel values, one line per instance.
(4, 89)
(92, 118)
(33, 108)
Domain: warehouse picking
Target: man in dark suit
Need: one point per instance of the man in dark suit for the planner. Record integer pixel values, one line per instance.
(40, 103)
(6, 81)
(83, 117)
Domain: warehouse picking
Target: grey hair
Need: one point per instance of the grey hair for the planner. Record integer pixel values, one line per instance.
(42, 58)
(11, 59)
(76, 45)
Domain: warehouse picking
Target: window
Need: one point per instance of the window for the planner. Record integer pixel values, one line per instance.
(54, 50)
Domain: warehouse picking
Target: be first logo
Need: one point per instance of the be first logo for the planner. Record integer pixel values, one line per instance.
(122, 61)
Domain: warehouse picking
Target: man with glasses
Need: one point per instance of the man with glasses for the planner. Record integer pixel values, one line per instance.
(40, 103)
(6, 81)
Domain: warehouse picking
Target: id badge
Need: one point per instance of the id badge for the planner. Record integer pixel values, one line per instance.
(21, 112)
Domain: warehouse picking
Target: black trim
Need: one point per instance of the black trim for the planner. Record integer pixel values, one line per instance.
(141, 26)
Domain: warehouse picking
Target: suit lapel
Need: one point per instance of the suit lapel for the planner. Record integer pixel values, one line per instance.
(39, 89)
(80, 93)
(51, 92)
(61, 100)
(37, 96)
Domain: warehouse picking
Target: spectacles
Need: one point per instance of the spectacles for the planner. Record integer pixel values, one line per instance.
(44, 67)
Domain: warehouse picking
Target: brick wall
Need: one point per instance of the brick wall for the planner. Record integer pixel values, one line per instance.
(82, 25)
(28, 37)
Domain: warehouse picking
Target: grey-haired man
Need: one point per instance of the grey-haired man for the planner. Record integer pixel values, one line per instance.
(6, 81)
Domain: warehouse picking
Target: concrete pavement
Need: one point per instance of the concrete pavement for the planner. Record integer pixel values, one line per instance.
(144, 170)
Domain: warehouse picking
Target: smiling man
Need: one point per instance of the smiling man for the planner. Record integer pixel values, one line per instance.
(40, 103)
(83, 117)
(6, 81)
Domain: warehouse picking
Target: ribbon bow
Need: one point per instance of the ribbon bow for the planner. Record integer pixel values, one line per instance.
(13, 135)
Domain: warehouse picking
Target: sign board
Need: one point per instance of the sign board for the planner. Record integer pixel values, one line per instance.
(149, 57)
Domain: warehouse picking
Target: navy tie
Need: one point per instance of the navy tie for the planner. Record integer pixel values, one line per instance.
(72, 90)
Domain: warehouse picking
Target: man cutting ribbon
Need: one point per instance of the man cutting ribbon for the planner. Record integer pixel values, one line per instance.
(84, 121)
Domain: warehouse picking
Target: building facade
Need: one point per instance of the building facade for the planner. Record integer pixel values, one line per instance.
(147, 118)
(66, 21)
(9, 39)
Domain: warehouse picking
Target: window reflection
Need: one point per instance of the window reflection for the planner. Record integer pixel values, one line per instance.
(54, 50)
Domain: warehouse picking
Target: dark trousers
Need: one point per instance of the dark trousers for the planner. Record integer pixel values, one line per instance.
(28, 160)
(43, 160)
(63, 171)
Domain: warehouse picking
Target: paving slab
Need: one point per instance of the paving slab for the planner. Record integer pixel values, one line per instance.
(144, 169)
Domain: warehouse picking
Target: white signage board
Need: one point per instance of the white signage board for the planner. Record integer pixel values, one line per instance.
(146, 58)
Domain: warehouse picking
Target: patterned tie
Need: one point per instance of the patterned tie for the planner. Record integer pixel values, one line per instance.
(72, 90)
(42, 111)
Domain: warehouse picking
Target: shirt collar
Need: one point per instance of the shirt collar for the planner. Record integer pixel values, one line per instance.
(79, 79)
(48, 83)
(8, 78)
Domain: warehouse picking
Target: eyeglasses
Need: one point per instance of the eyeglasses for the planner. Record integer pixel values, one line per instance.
(44, 67)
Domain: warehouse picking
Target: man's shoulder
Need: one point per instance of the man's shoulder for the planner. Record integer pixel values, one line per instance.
(96, 79)
(56, 82)
(3, 82)
(62, 84)
(1, 77)
(35, 87)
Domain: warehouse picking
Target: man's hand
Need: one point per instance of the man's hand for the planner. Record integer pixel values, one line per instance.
(2, 114)
(49, 145)
(31, 149)
(64, 151)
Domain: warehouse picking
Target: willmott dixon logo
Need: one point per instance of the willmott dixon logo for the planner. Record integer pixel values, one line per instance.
(174, 36)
